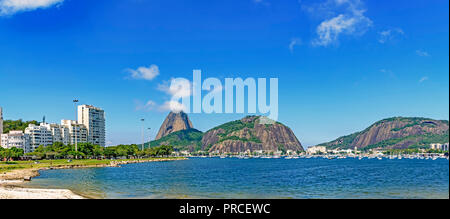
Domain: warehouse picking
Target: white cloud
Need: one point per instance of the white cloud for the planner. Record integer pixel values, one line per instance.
(294, 42)
(10, 7)
(173, 106)
(422, 53)
(178, 87)
(390, 34)
(424, 78)
(145, 73)
(349, 21)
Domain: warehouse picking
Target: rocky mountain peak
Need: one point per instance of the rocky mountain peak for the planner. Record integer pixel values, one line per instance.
(248, 134)
(174, 122)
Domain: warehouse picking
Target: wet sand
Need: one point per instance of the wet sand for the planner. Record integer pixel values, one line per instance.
(12, 192)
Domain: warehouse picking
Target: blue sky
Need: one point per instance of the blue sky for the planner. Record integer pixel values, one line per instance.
(341, 64)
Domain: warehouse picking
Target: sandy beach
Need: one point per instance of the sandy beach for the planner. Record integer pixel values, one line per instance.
(11, 182)
(12, 192)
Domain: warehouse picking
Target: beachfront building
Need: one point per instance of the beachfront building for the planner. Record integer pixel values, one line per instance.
(93, 118)
(59, 133)
(342, 151)
(441, 147)
(1, 124)
(16, 139)
(90, 128)
(76, 132)
(39, 135)
(316, 150)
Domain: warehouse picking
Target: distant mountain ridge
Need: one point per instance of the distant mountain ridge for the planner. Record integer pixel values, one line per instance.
(247, 134)
(397, 133)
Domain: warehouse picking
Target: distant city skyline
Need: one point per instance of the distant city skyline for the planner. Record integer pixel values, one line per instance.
(342, 64)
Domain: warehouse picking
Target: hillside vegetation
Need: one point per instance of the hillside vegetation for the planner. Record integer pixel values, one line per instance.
(189, 139)
(9, 125)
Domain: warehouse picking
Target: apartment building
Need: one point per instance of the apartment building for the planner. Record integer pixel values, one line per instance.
(316, 150)
(16, 139)
(59, 133)
(1, 123)
(90, 128)
(75, 130)
(39, 135)
(93, 118)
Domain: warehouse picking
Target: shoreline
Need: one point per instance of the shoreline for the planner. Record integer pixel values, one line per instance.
(11, 183)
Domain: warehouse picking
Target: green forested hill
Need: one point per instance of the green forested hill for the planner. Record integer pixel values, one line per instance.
(190, 139)
(9, 125)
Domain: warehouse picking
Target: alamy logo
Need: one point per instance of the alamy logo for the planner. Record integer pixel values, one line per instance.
(188, 97)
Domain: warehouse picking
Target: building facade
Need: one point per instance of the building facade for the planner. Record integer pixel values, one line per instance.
(39, 135)
(59, 133)
(75, 131)
(93, 118)
(1, 123)
(441, 147)
(16, 139)
(90, 128)
(316, 150)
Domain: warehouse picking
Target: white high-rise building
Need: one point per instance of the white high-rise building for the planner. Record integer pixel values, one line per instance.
(16, 139)
(1, 123)
(74, 131)
(93, 118)
(60, 133)
(39, 135)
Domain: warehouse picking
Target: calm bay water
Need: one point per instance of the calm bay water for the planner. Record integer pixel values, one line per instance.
(258, 178)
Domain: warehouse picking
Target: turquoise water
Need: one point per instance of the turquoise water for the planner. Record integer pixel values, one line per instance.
(258, 178)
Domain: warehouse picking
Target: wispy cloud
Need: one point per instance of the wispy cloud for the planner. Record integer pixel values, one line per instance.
(423, 79)
(294, 42)
(390, 34)
(343, 17)
(389, 73)
(148, 106)
(10, 7)
(177, 88)
(145, 73)
(422, 53)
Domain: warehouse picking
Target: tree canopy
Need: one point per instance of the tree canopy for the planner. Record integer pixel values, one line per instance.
(88, 150)
(9, 125)
(13, 153)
